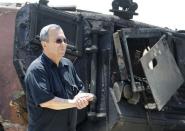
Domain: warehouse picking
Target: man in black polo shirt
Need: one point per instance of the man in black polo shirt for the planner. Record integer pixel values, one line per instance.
(53, 89)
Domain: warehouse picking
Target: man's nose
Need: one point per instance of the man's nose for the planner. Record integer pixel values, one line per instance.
(64, 44)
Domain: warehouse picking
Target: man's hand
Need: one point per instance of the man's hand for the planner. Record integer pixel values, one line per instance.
(81, 100)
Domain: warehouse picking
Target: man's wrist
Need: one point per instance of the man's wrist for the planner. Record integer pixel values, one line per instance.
(72, 102)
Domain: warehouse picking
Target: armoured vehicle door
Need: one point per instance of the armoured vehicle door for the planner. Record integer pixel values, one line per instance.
(163, 75)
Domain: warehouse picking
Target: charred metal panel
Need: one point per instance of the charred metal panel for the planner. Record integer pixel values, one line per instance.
(164, 76)
(29, 21)
(180, 48)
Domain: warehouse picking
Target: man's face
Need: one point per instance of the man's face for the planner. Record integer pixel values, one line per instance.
(56, 45)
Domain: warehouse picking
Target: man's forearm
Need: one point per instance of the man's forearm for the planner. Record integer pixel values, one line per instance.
(80, 101)
(58, 104)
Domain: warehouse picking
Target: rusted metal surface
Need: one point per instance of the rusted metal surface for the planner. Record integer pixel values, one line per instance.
(9, 81)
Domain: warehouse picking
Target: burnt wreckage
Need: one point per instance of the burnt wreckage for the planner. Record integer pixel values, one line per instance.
(135, 70)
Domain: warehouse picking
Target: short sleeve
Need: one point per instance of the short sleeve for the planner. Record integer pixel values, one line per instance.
(38, 87)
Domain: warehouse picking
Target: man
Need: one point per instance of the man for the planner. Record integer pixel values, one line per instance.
(53, 89)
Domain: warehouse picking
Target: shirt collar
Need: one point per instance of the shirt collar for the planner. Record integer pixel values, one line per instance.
(48, 61)
(64, 62)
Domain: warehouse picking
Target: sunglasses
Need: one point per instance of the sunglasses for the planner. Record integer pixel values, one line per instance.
(61, 40)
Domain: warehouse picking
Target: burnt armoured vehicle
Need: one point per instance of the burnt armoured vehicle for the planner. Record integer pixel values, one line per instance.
(135, 70)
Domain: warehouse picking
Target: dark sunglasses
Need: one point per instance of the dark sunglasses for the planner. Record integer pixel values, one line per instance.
(61, 40)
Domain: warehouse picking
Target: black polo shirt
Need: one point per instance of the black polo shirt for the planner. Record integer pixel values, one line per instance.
(44, 80)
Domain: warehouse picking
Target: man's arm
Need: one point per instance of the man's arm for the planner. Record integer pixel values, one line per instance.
(80, 101)
(58, 104)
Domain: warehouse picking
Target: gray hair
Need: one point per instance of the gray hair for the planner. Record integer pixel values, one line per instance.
(45, 30)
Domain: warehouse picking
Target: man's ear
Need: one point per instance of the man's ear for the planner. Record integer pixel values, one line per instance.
(43, 43)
